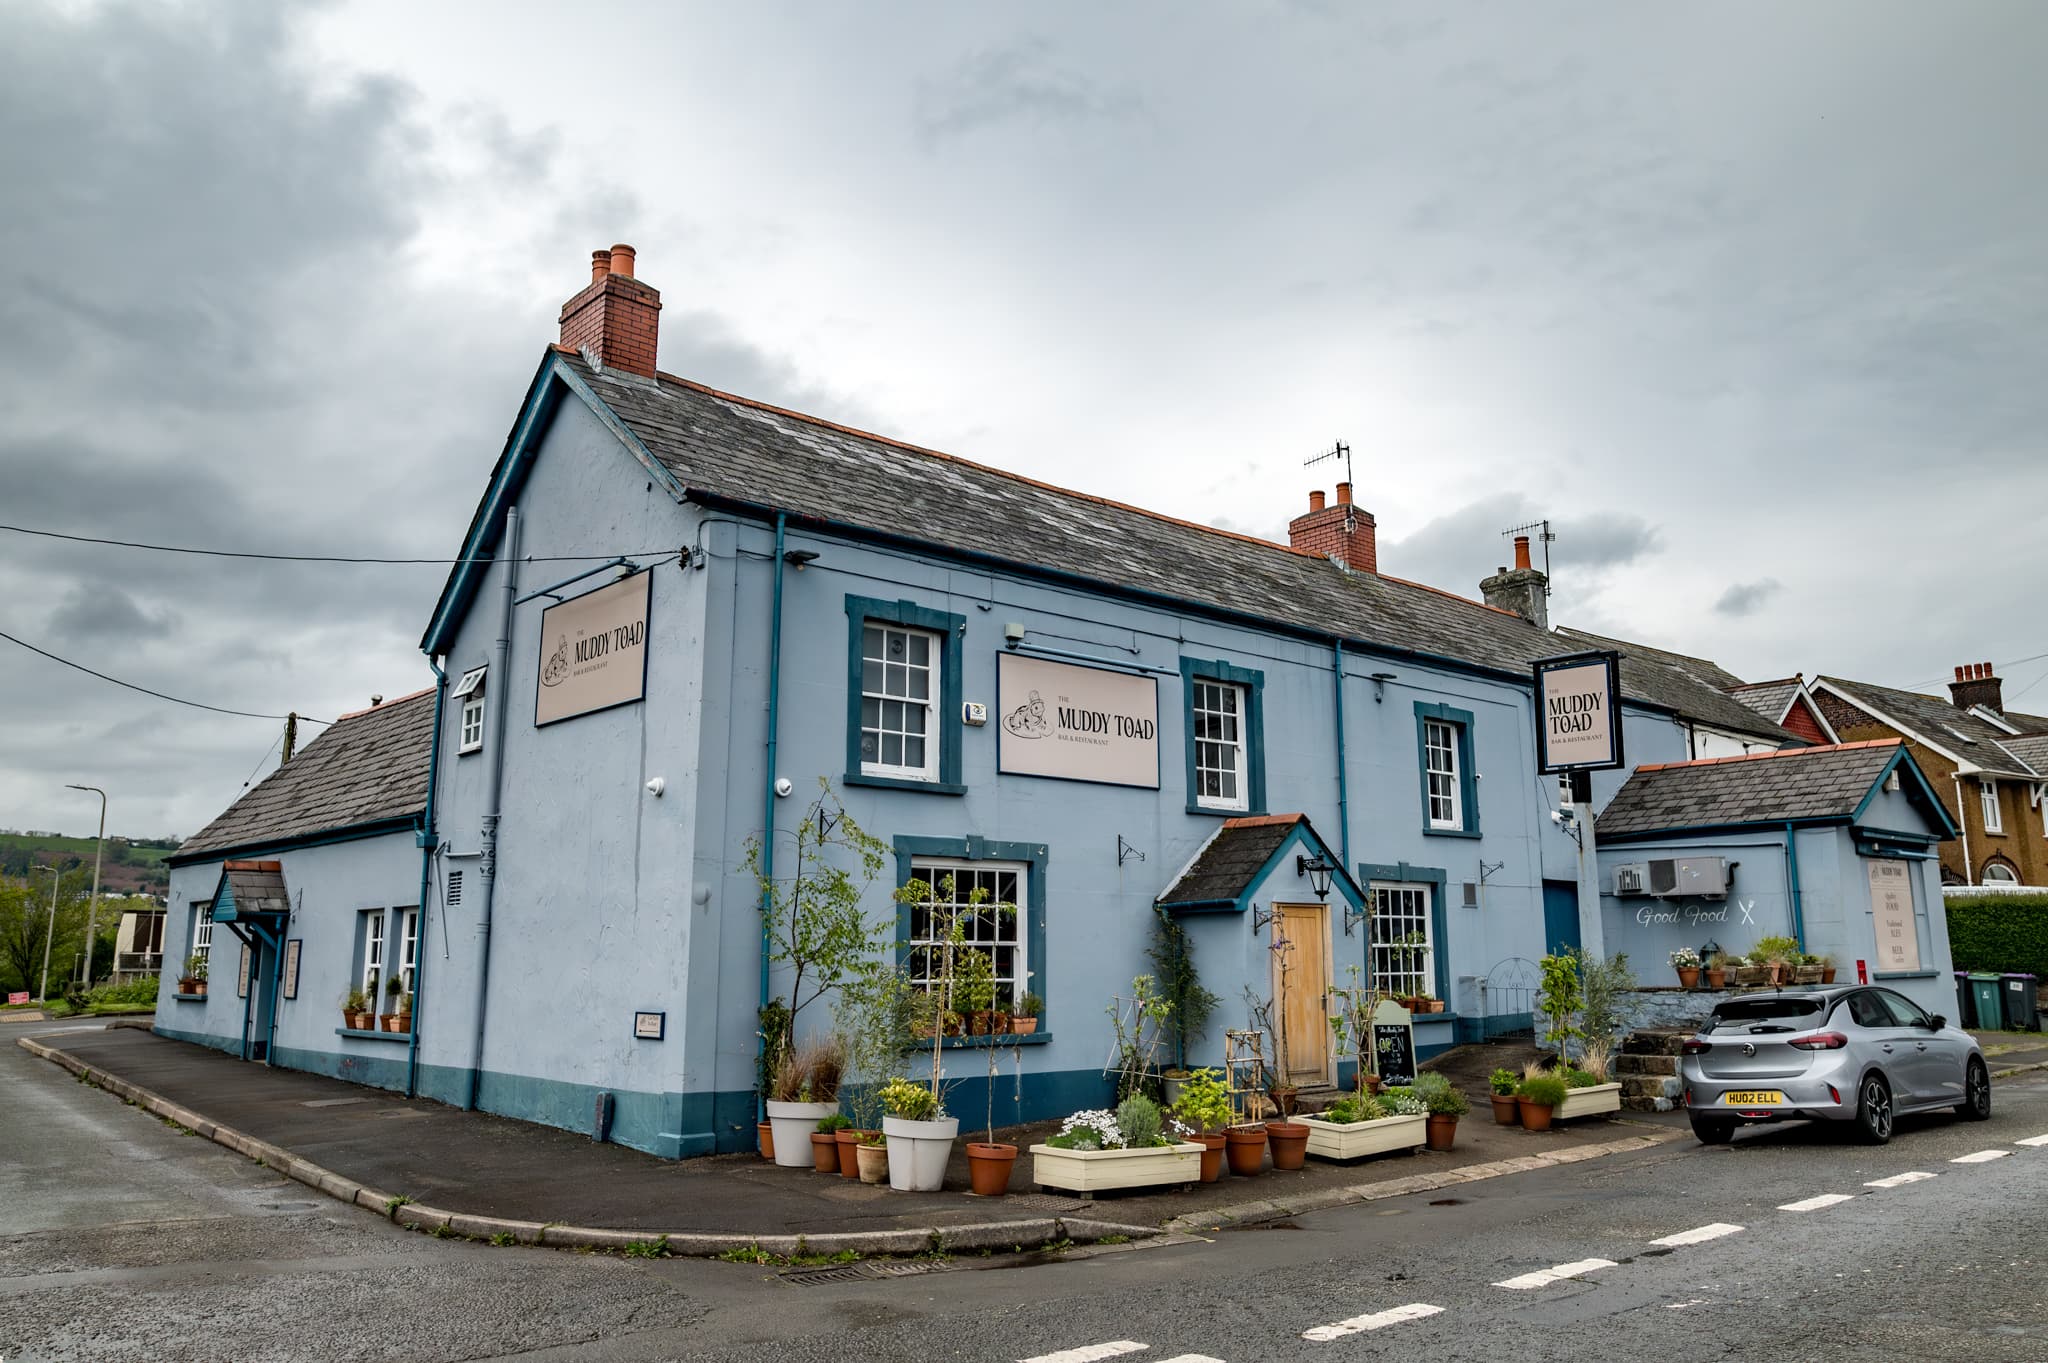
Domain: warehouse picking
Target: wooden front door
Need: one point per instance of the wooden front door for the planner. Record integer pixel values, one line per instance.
(1301, 981)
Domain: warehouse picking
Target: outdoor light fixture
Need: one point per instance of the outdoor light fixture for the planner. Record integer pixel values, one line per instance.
(799, 557)
(1318, 872)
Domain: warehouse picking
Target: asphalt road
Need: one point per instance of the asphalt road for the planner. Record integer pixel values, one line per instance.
(210, 1257)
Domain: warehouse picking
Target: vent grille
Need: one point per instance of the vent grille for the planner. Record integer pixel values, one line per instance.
(454, 888)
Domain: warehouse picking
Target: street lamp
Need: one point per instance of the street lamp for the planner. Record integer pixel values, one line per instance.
(92, 913)
(43, 981)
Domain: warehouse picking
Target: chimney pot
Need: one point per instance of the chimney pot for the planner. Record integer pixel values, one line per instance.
(1315, 500)
(614, 318)
(600, 265)
(1343, 494)
(622, 260)
(1977, 684)
(1521, 551)
(1959, 671)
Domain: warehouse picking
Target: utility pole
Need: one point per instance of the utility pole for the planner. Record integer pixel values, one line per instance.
(43, 981)
(291, 736)
(92, 913)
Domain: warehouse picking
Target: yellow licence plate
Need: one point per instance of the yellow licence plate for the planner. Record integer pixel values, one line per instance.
(1752, 1097)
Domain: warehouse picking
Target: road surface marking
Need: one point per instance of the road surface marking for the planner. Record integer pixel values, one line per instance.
(1698, 1235)
(1193, 1358)
(1898, 1180)
(1414, 1310)
(1091, 1353)
(1681, 1305)
(1981, 1157)
(1814, 1204)
(2034, 1140)
(1545, 1277)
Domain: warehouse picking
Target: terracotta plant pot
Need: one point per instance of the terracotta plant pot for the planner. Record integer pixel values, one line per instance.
(1023, 1026)
(1212, 1144)
(825, 1152)
(1827, 976)
(1688, 977)
(988, 1168)
(849, 1140)
(1717, 978)
(1443, 1131)
(764, 1139)
(1372, 1083)
(1535, 1116)
(363, 1022)
(873, 1161)
(1284, 1097)
(1432, 1006)
(397, 1022)
(1507, 1109)
(1246, 1146)
(1290, 1144)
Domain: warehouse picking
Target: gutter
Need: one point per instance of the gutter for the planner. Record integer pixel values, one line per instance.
(430, 847)
(768, 791)
(494, 780)
(350, 833)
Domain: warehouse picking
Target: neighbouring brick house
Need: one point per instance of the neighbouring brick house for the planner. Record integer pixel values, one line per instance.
(1991, 776)
(1787, 702)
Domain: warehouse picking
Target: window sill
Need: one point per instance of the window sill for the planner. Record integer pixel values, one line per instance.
(1429, 832)
(899, 783)
(982, 1043)
(1218, 812)
(373, 1036)
(469, 752)
(189, 998)
(1424, 1019)
(1905, 975)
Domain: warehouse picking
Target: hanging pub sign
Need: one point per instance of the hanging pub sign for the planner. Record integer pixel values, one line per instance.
(593, 651)
(1076, 723)
(1578, 713)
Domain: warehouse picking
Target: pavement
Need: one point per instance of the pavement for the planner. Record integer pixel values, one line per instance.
(440, 1169)
(2010, 1053)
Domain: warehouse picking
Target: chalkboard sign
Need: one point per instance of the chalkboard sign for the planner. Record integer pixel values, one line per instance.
(1393, 1043)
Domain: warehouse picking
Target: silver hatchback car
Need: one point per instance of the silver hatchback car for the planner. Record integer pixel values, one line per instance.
(1848, 1053)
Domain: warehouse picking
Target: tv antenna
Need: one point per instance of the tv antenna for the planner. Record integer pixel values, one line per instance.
(1544, 538)
(1339, 450)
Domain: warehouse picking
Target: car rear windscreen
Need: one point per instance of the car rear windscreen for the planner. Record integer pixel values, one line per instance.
(1742, 1015)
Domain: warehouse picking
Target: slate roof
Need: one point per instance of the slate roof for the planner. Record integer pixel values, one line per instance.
(761, 456)
(365, 768)
(1770, 787)
(1222, 871)
(1941, 724)
(256, 887)
(2031, 749)
(1769, 699)
(2026, 724)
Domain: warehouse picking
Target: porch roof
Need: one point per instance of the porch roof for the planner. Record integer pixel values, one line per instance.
(1240, 854)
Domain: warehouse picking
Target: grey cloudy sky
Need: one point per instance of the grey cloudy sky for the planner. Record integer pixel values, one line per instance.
(1747, 298)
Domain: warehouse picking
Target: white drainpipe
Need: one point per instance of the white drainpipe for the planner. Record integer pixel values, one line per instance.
(1962, 823)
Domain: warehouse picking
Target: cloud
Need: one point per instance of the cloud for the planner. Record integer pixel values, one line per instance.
(90, 616)
(1459, 548)
(1015, 81)
(1747, 598)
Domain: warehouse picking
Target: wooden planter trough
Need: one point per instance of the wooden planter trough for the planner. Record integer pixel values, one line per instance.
(1588, 1102)
(1356, 1140)
(1095, 1171)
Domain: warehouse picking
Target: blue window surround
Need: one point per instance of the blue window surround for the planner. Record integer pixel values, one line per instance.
(1253, 681)
(909, 615)
(1434, 877)
(972, 848)
(1468, 785)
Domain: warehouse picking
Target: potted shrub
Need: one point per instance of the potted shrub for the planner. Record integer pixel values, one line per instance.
(989, 1161)
(1808, 970)
(975, 990)
(919, 1136)
(193, 981)
(400, 1021)
(388, 1019)
(1827, 968)
(1360, 1124)
(1779, 957)
(1204, 1108)
(871, 1157)
(1718, 967)
(875, 1018)
(1588, 1091)
(1024, 1021)
(1128, 1148)
(1686, 962)
(1446, 1104)
(806, 1091)
(774, 1037)
(1501, 1085)
(355, 1011)
(825, 1143)
(1540, 1097)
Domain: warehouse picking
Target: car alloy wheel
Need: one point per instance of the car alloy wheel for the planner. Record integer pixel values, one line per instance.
(1976, 1104)
(1874, 1112)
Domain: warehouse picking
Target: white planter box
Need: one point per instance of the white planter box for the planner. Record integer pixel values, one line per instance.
(793, 1124)
(918, 1152)
(1355, 1140)
(1587, 1102)
(1094, 1171)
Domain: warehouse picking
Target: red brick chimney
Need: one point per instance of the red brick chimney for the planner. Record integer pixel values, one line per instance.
(1523, 589)
(616, 319)
(1343, 532)
(1974, 685)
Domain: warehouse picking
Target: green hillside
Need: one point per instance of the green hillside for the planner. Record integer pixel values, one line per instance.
(125, 867)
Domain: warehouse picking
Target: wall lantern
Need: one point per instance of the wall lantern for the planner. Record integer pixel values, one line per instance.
(1318, 872)
(799, 557)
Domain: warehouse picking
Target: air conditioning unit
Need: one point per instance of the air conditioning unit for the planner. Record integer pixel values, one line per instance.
(1689, 877)
(1631, 878)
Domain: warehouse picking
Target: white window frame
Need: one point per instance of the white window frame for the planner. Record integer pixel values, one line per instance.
(1987, 803)
(882, 699)
(2005, 874)
(202, 928)
(1221, 750)
(370, 972)
(1408, 905)
(470, 691)
(408, 945)
(1440, 740)
(984, 929)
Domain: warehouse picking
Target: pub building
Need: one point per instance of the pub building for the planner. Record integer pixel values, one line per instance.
(1097, 713)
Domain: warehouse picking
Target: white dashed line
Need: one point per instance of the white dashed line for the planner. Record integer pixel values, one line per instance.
(1091, 1353)
(1814, 1204)
(1378, 1320)
(2033, 1140)
(1193, 1358)
(1981, 1157)
(1698, 1235)
(1898, 1180)
(1545, 1277)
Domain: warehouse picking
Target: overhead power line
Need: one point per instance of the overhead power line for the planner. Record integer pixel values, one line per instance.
(2016, 662)
(175, 700)
(316, 558)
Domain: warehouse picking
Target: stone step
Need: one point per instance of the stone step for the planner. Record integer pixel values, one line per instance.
(1653, 1087)
(1625, 1065)
(1655, 1041)
(1649, 1104)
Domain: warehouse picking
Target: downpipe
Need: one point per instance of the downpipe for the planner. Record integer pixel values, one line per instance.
(430, 847)
(494, 773)
(768, 790)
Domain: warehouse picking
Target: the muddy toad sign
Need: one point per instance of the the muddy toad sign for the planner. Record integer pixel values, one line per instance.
(593, 651)
(1578, 713)
(1077, 723)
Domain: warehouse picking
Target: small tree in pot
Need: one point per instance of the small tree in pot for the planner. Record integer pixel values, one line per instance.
(1204, 1108)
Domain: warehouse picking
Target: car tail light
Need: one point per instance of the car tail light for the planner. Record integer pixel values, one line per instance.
(1694, 1046)
(1820, 1041)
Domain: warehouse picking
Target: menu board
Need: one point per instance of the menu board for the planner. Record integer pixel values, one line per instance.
(291, 967)
(1393, 1043)
(1891, 913)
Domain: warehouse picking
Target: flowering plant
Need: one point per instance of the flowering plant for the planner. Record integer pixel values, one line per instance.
(1685, 958)
(1099, 1129)
(1404, 1102)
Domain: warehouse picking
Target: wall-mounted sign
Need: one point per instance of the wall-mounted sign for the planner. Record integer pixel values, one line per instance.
(649, 1026)
(593, 651)
(291, 967)
(1076, 723)
(242, 978)
(1578, 713)
(1891, 915)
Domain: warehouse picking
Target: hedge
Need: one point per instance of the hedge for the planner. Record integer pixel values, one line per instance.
(2007, 932)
